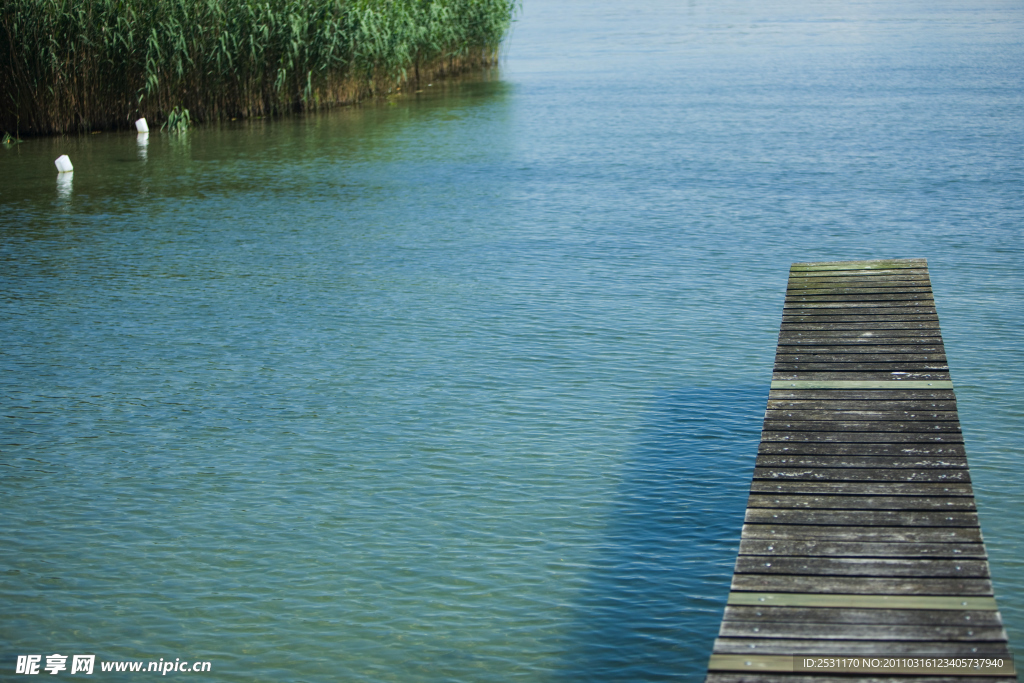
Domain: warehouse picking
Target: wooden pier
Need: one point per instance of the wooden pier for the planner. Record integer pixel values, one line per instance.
(861, 557)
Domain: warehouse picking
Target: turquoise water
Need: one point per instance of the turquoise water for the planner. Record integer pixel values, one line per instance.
(468, 386)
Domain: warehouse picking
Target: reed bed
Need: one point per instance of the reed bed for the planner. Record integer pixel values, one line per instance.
(80, 65)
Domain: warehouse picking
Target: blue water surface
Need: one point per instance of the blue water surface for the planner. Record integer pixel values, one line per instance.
(468, 386)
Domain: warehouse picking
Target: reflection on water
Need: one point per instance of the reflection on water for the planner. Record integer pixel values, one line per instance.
(465, 386)
(64, 185)
(143, 141)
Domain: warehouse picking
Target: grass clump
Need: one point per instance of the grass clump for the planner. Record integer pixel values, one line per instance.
(78, 65)
(177, 121)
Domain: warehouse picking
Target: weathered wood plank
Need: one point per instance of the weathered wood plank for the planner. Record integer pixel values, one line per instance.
(871, 307)
(863, 488)
(827, 548)
(859, 356)
(860, 319)
(866, 461)
(845, 615)
(848, 502)
(858, 297)
(841, 347)
(861, 273)
(865, 585)
(846, 631)
(860, 437)
(860, 411)
(864, 449)
(856, 474)
(793, 394)
(909, 283)
(867, 366)
(829, 426)
(866, 337)
(847, 648)
(867, 264)
(863, 415)
(866, 326)
(800, 294)
(915, 518)
(848, 534)
(809, 280)
(860, 376)
(953, 603)
(815, 313)
(863, 566)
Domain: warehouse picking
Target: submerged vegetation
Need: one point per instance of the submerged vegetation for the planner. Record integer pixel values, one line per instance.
(177, 121)
(78, 65)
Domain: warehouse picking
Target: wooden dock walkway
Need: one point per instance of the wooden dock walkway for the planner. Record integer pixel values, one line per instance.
(861, 539)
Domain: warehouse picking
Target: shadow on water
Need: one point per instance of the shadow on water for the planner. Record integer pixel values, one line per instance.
(653, 603)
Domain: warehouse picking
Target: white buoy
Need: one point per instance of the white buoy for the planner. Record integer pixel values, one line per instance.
(141, 125)
(63, 164)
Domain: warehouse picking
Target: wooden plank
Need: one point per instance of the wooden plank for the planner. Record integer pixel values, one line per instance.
(868, 585)
(915, 518)
(872, 316)
(851, 474)
(914, 262)
(917, 336)
(867, 326)
(867, 349)
(858, 356)
(851, 534)
(847, 648)
(954, 604)
(851, 295)
(839, 272)
(860, 437)
(867, 280)
(829, 426)
(793, 394)
(887, 367)
(849, 502)
(863, 566)
(824, 293)
(828, 548)
(858, 308)
(910, 450)
(848, 384)
(846, 615)
(796, 274)
(864, 461)
(865, 407)
(862, 376)
(838, 284)
(864, 488)
(866, 311)
(845, 631)
(861, 415)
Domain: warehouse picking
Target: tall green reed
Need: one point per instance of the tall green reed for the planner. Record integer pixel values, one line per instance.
(78, 65)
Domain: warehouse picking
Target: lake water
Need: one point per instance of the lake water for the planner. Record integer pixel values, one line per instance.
(468, 386)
